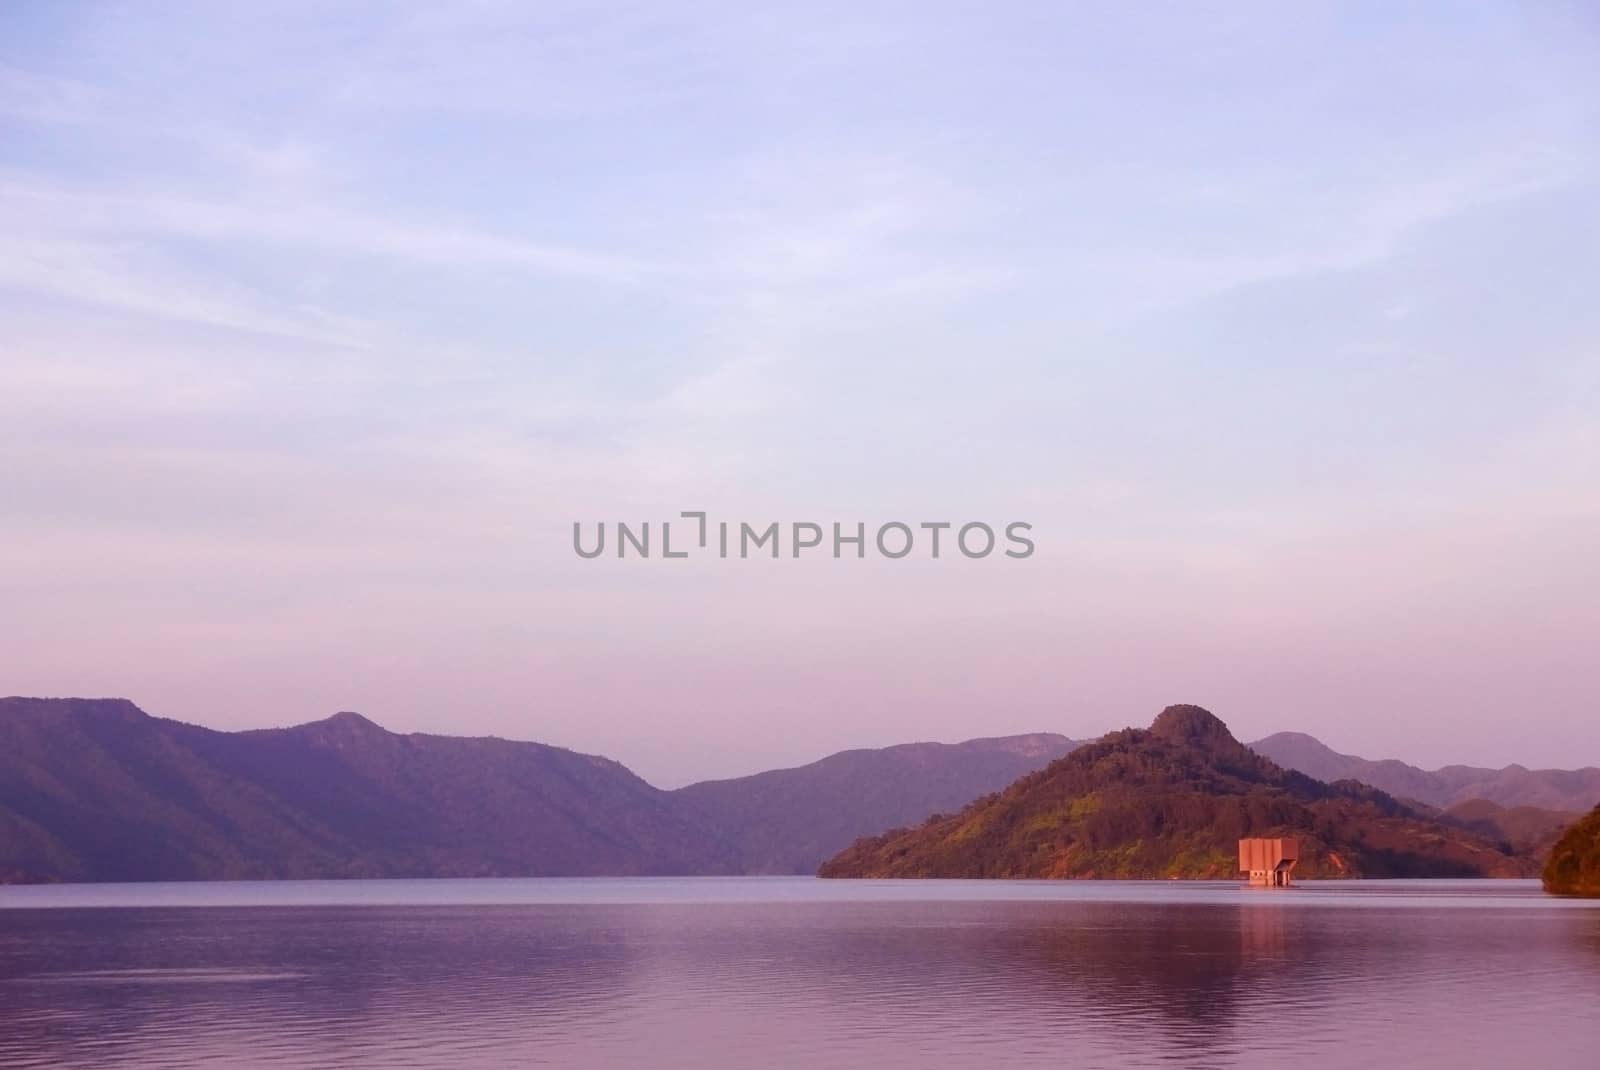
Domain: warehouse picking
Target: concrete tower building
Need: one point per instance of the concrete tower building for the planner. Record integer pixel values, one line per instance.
(1269, 861)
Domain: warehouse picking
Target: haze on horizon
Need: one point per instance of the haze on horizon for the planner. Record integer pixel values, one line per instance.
(323, 324)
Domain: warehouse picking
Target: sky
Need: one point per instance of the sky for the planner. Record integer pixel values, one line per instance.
(323, 323)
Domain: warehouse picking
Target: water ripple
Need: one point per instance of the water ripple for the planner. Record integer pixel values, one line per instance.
(736, 973)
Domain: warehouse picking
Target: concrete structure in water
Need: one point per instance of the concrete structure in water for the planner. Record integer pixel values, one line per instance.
(1269, 861)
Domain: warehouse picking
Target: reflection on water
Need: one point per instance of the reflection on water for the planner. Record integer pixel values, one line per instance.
(777, 972)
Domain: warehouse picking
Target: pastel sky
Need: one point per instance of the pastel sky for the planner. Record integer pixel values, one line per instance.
(322, 323)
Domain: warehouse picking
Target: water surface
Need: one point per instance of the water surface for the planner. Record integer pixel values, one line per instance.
(777, 972)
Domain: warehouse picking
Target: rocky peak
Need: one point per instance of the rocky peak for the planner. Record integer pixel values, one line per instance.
(1192, 726)
(348, 721)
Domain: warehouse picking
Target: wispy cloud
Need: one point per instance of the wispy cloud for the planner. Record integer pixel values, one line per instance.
(137, 280)
(304, 223)
(413, 284)
(37, 97)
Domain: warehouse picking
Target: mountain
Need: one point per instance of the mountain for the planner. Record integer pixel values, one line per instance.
(1172, 801)
(790, 820)
(1527, 829)
(98, 790)
(1574, 864)
(1515, 785)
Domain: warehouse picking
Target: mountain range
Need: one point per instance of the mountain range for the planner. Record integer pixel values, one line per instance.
(789, 820)
(101, 791)
(96, 789)
(1173, 800)
(1514, 785)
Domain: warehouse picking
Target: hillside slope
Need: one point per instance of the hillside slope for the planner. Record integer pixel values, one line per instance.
(1574, 864)
(1527, 829)
(1172, 801)
(790, 820)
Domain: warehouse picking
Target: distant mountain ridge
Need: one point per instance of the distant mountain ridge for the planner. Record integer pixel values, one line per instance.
(1172, 801)
(99, 790)
(1511, 786)
(789, 820)
(96, 789)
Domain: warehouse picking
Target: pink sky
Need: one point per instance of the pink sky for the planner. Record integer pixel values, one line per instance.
(1278, 327)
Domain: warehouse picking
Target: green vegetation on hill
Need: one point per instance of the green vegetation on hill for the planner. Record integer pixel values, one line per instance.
(1574, 864)
(1173, 801)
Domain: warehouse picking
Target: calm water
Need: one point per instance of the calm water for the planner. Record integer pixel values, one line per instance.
(712, 973)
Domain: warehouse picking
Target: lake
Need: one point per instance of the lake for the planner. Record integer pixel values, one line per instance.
(779, 972)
